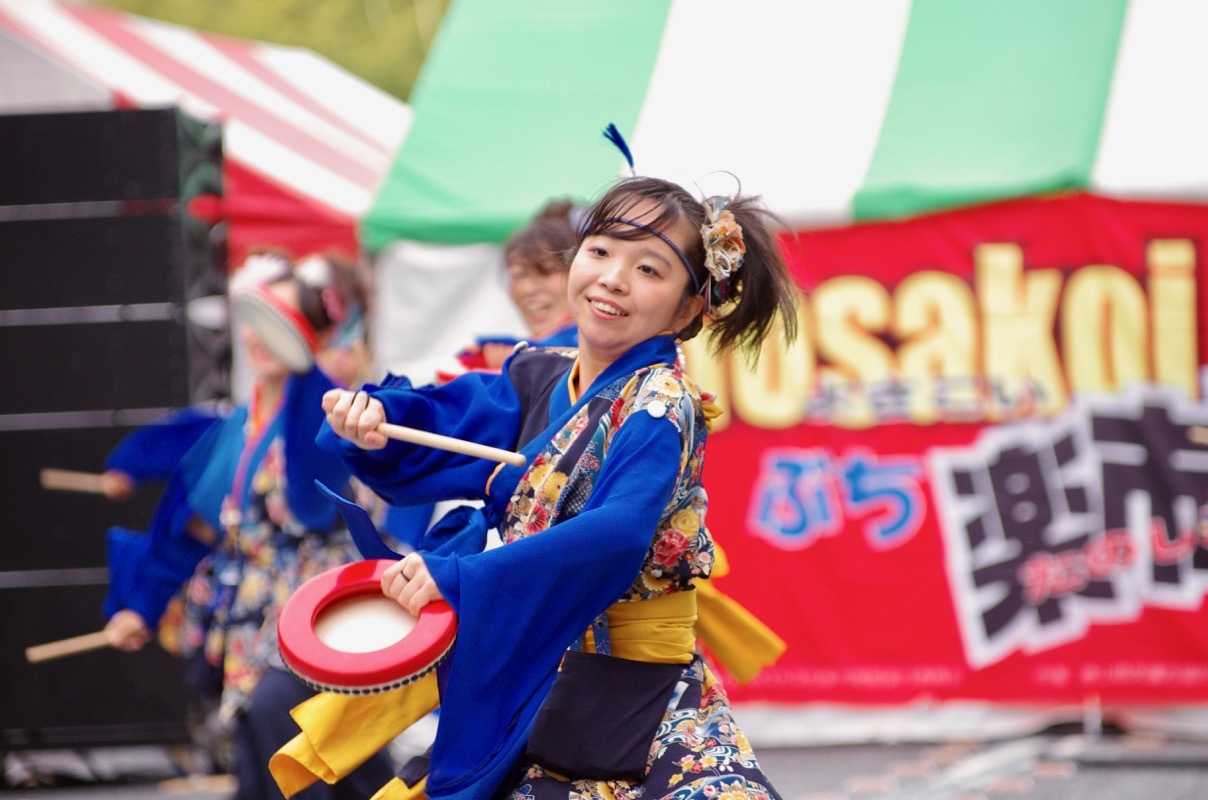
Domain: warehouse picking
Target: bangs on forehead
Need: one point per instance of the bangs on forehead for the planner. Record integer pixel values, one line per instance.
(605, 216)
(637, 213)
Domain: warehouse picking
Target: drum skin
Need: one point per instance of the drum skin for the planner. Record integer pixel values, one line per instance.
(375, 670)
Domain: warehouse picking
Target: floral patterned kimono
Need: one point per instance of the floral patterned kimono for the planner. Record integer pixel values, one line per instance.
(608, 513)
(254, 483)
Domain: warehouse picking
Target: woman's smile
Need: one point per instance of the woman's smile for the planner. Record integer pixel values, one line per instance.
(608, 309)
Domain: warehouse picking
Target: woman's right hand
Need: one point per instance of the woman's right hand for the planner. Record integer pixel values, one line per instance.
(355, 416)
(127, 630)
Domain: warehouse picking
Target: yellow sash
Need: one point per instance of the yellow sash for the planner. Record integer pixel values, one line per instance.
(664, 629)
(657, 630)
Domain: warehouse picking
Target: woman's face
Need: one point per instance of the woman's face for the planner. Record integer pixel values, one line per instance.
(540, 297)
(623, 292)
(346, 364)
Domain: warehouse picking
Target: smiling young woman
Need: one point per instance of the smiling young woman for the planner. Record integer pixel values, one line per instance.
(598, 687)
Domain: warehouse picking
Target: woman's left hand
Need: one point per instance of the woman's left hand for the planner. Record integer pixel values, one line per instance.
(409, 584)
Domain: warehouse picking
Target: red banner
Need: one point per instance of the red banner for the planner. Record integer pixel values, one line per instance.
(977, 472)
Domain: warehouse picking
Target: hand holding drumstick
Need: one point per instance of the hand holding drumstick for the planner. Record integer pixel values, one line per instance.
(356, 416)
(114, 484)
(126, 630)
(361, 419)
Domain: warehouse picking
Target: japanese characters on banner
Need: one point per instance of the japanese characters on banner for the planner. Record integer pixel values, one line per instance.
(978, 470)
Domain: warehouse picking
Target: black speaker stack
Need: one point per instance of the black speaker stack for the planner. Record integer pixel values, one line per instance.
(112, 313)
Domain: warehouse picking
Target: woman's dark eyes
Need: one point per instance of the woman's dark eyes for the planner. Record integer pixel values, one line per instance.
(599, 251)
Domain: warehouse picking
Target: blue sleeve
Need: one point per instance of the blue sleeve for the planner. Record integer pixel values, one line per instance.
(305, 462)
(479, 407)
(147, 569)
(522, 589)
(151, 452)
(407, 524)
(208, 469)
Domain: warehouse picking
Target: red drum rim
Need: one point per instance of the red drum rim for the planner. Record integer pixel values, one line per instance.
(285, 332)
(327, 669)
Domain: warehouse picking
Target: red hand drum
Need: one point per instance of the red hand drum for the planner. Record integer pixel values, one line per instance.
(339, 633)
(284, 330)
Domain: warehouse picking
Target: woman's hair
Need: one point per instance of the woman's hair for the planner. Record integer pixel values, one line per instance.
(756, 294)
(331, 289)
(548, 241)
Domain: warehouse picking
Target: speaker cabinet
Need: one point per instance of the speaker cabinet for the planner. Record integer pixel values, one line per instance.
(112, 314)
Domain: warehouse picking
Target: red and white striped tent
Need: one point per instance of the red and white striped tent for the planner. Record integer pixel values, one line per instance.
(306, 144)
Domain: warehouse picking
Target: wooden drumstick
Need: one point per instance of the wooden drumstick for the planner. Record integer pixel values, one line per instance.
(1197, 434)
(428, 439)
(66, 647)
(70, 481)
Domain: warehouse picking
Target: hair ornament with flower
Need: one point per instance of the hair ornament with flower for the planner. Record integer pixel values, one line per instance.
(721, 235)
(724, 247)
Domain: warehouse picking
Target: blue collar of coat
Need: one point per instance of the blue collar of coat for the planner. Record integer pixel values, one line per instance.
(656, 350)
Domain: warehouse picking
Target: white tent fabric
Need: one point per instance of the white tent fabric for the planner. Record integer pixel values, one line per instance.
(821, 77)
(1154, 132)
(418, 284)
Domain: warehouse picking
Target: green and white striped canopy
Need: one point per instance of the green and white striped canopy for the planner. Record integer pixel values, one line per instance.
(833, 111)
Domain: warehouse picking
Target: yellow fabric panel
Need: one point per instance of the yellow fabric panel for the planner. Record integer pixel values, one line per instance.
(711, 411)
(397, 790)
(325, 751)
(739, 640)
(735, 636)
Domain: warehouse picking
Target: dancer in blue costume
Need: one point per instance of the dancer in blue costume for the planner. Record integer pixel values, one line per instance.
(603, 529)
(536, 258)
(243, 523)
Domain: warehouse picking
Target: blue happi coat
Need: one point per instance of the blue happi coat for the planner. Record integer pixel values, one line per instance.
(572, 548)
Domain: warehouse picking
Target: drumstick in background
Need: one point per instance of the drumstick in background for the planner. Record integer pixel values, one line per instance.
(440, 442)
(66, 647)
(1198, 434)
(67, 480)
